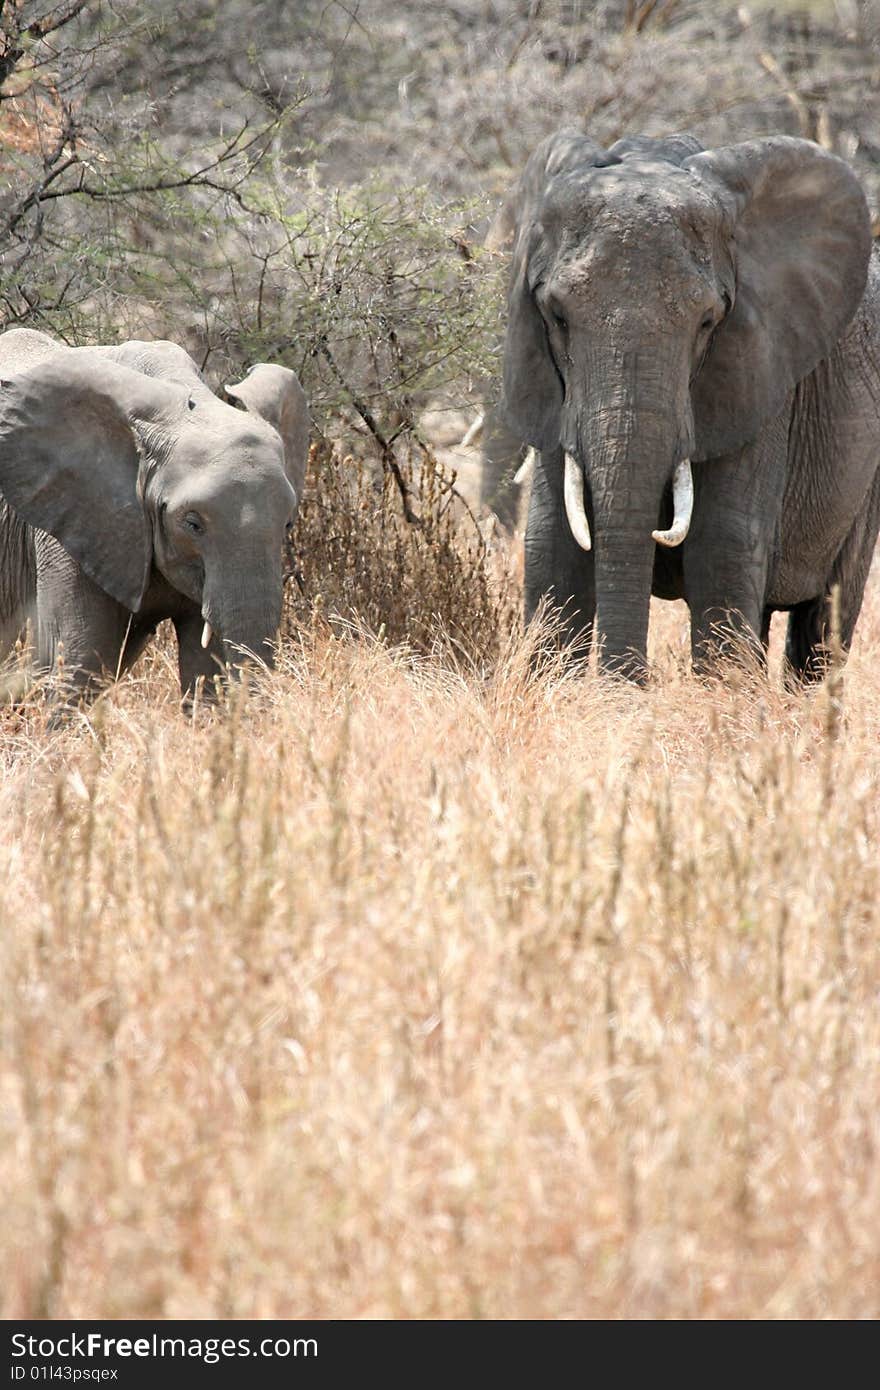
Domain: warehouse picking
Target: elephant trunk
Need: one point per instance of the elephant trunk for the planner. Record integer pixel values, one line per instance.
(244, 620)
(633, 445)
(624, 552)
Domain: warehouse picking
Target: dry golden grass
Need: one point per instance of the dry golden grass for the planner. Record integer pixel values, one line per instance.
(401, 990)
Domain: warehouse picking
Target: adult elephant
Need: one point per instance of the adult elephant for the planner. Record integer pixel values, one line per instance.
(671, 306)
(131, 493)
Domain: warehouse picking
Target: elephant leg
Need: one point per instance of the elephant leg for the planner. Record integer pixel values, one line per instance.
(197, 666)
(83, 636)
(809, 634)
(727, 553)
(18, 578)
(556, 568)
(502, 453)
(805, 650)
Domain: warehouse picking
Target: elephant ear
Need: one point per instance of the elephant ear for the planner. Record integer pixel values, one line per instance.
(802, 241)
(532, 394)
(69, 463)
(273, 392)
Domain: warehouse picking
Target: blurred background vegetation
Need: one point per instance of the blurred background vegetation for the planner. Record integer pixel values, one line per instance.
(313, 183)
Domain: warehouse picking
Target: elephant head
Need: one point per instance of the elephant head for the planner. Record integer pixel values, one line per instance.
(663, 303)
(148, 480)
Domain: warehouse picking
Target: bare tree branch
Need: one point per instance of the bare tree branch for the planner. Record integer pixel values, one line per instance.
(386, 452)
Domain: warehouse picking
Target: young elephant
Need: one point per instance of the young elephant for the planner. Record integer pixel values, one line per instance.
(671, 307)
(131, 493)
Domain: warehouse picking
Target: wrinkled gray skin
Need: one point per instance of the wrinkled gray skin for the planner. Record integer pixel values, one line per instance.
(724, 306)
(501, 453)
(131, 494)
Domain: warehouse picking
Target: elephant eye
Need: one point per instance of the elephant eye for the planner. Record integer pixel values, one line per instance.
(708, 322)
(553, 313)
(194, 524)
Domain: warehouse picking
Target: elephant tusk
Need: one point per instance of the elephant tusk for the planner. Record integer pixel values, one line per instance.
(574, 503)
(207, 634)
(474, 433)
(524, 472)
(683, 506)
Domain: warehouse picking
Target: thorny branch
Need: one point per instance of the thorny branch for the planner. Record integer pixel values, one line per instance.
(386, 451)
(251, 150)
(13, 31)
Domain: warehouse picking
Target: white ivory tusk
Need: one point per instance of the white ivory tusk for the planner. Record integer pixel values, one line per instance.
(524, 472)
(472, 434)
(207, 634)
(682, 505)
(574, 503)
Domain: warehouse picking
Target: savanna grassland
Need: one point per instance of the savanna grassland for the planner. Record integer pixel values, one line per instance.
(422, 978)
(400, 989)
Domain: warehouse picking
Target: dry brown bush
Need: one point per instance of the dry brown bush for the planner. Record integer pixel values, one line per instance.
(432, 582)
